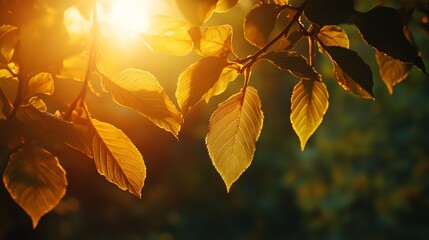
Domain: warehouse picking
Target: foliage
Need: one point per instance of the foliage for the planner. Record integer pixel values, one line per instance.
(37, 50)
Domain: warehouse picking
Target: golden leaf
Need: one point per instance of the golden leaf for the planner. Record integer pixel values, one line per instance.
(35, 180)
(204, 79)
(117, 158)
(8, 39)
(38, 104)
(234, 128)
(75, 67)
(216, 40)
(9, 86)
(392, 71)
(309, 104)
(197, 12)
(331, 35)
(225, 5)
(140, 91)
(42, 83)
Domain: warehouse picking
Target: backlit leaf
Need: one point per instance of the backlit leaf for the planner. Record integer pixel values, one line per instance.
(351, 72)
(216, 40)
(42, 83)
(383, 28)
(293, 62)
(309, 104)
(392, 71)
(225, 5)
(168, 35)
(329, 12)
(75, 67)
(8, 39)
(281, 2)
(234, 128)
(35, 180)
(9, 86)
(117, 158)
(260, 22)
(331, 35)
(38, 104)
(197, 12)
(204, 79)
(140, 91)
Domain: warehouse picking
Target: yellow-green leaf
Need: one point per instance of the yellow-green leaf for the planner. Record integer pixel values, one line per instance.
(140, 91)
(197, 12)
(260, 22)
(392, 71)
(168, 35)
(42, 83)
(8, 39)
(309, 104)
(234, 128)
(35, 180)
(117, 158)
(75, 67)
(204, 79)
(38, 104)
(216, 40)
(225, 5)
(331, 35)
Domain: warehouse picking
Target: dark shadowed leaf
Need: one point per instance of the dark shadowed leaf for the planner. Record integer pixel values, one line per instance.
(35, 180)
(329, 12)
(197, 12)
(117, 158)
(392, 71)
(383, 28)
(352, 73)
(260, 22)
(293, 62)
(204, 79)
(234, 128)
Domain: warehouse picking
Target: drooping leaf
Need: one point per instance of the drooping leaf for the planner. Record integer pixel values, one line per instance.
(216, 40)
(392, 71)
(140, 91)
(331, 35)
(168, 35)
(309, 104)
(329, 12)
(42, 83)
(75, 67)
(117, 158)
(38, 104)
(234, 128)
(225, 5)
(204, 79)
(35, 180)
(351, 72)
(383, 28)
(293, 62)
(8, 39)
(197, 12)
(260, 22)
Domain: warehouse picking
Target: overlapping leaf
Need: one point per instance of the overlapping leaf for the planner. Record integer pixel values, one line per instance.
(35, 180)
(309, 105)
(216, 40)
(42, 83)
(141, 91)
(331, 35)
(204, 79)
(234, 128)
(392, 71)
(225, 5)
(197, 12)
(260, 22)
(293, 62)
(117, 158)
(168, 35)
(329, 12)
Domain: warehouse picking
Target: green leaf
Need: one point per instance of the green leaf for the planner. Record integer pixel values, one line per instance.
(35, 180)
(234, 128)
(42, 83)
(329, 12)
(140, 91)
(117, 158)
(293, 62)
(351, 72)
(168, 35)
(382, 28)
(309, 104)
(8, 39)
(216, 41)
(392, 71)
(331, 35)
(197, 12)
(225, 5)
(260, 22)
(204, 79)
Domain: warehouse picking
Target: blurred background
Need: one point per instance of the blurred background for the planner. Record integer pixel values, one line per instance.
(363, 175)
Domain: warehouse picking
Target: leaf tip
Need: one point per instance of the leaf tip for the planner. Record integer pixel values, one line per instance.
(35, 221)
